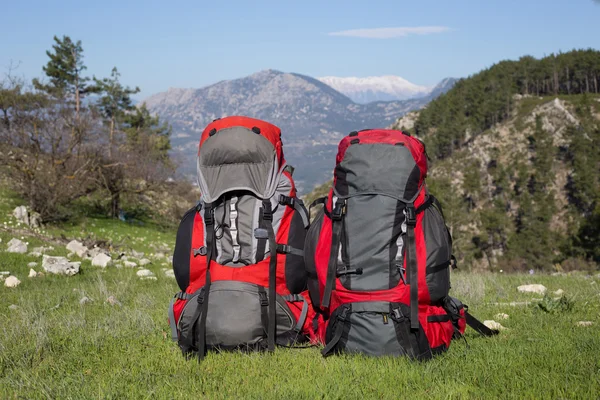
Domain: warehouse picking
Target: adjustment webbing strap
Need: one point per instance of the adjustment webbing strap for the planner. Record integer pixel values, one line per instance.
(411, 265)
(287, 249)
(264, 308)
(172, 321)
(293, 298)
(337, 224)
(265, 218)
(479, 326)
(339, 331)
(437, 268)
(210, 244)
(298, 205)
(316, 202)
(272, 331)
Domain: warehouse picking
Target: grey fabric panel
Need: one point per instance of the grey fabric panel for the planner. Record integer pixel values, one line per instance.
(247, 207)
(439, 251)
(172, 322)
(375, 168)
(234, 315)
(369, 334)
(369, 234)
(236, 159)
(222, 234)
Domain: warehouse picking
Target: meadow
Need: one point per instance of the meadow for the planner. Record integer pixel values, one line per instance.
(51, 346)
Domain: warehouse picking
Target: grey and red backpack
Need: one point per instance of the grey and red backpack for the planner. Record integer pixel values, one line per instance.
(238, 256)
(376, 259)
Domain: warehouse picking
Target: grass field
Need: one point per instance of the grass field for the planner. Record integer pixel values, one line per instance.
(53, 347)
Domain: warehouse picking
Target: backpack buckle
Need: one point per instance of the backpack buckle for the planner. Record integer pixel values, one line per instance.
(397, 315)
(343, 315)
(411, 216)
(209, 216)
(200, 251)
(267, 213)
(339, 210)
(287, 200)
(264, 301)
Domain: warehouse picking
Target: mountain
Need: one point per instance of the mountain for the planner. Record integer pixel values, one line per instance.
(312, 115)
(376, 88)
(515, 162)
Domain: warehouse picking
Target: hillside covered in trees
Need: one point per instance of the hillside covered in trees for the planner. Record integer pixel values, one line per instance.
(515, 159)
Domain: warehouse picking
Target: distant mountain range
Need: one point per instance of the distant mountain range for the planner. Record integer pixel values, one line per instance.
(312, 115)
(376, 88)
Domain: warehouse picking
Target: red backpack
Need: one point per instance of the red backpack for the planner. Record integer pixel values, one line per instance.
(378, 254)
(238, 256)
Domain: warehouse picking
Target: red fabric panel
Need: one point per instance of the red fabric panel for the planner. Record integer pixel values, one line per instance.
(424, 297)
(387, 136)
(269, 131)
(437, 333)
(178, 308)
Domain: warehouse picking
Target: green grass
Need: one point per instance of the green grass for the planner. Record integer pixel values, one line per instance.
(53, 347)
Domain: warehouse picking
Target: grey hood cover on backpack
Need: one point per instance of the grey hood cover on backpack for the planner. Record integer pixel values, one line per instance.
(236, 158)
(377, 169)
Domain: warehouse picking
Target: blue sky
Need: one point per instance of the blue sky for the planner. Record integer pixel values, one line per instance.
(160, 44)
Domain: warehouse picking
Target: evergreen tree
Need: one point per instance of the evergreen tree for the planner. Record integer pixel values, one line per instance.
(114, 103)
(65, 72)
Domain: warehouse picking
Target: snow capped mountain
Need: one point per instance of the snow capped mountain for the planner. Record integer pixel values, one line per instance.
(376, 88)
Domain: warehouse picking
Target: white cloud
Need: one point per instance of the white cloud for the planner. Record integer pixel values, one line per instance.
(389, 33)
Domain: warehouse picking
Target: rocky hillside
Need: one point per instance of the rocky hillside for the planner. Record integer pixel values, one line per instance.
(312, 115)
(523, 194)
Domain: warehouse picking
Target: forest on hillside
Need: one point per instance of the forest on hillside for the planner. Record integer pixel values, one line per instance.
(529, 200)
(477, 103)
(68, 137)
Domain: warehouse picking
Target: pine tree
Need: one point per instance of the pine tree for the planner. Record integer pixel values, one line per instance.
(114, 103)
(65, 72)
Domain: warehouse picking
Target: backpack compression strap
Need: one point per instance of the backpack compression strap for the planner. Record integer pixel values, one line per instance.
(209, 221)
(272, 323)
(411, 264)
(337, 215)
(479, 326)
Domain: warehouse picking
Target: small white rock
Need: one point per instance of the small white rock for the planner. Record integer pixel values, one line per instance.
(85, 300)
(493, 325)
(501, 316)
(148, 278)
(170, 273)
(13, 307)
(585, 323)
(4, 273)
(60, 265)
(35, 254)
(129, 264)
(101, 260)
(559, 292)
(144, 261)
(17, 246)
(78, 248)
(535, 288)
(32, 264)
(144, 272)
(12, 281)
(32, 273)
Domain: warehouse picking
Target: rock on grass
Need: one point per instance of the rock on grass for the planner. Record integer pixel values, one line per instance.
(17, 246)
(101, 260)
(535, 288)
(12, 282)
(60, 266)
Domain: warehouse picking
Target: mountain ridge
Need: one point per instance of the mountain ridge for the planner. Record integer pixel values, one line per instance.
(312, 115)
